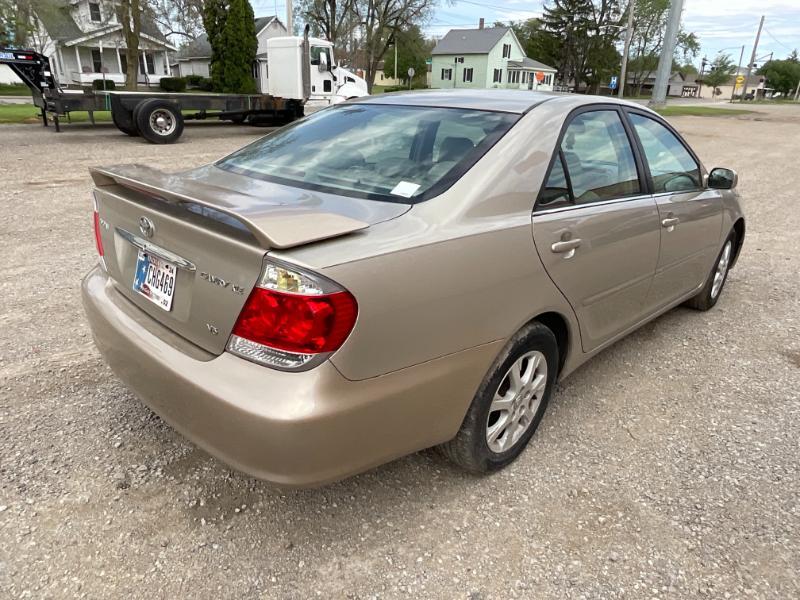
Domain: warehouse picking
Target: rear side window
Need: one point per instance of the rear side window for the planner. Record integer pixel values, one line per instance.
(598, 158)
(672, 167)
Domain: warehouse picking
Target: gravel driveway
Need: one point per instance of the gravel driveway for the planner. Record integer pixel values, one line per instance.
(667, 467)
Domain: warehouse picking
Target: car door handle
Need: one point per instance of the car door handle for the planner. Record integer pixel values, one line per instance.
(565, 246)
(670, 222)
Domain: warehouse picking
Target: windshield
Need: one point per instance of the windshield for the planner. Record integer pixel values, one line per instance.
(385, 152)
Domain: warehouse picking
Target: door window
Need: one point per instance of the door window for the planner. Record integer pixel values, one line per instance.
(672, 168)
(595, 162)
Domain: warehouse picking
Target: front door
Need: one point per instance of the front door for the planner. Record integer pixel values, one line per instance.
(596, 228)
(688, 212)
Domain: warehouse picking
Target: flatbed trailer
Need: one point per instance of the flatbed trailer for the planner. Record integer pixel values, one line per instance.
(157, 116)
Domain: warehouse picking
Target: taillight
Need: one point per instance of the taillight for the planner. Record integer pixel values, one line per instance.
(293, 319)
(98, 239)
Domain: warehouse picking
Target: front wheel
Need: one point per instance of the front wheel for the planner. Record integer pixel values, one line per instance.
(707, 297)
(159, 121)
(509, 404)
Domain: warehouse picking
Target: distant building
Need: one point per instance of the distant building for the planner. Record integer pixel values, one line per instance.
(84, 41)
(387, 79)
(486, 58)
(195, 57)
(679, 85)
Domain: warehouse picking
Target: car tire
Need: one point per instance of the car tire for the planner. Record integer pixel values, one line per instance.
(159, 121)
(707, 297)
(501, 421)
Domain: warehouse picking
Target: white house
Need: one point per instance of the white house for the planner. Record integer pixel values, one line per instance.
(195, 57)
(83, 39)
(486, 58)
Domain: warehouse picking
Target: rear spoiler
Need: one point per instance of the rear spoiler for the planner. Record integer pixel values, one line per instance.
(273, 225)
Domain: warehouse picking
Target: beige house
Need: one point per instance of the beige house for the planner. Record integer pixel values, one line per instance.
(387, 79)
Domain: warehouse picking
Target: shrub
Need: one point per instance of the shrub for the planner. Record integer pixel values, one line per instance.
(173, 84)
(100, 84)
(195, 80)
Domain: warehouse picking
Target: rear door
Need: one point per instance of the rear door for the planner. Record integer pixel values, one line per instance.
(690, 214)
(595, 225)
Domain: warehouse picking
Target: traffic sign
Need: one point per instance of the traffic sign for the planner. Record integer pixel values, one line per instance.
(411, 71)
(613, 84)
(539, 76)
(740, 80)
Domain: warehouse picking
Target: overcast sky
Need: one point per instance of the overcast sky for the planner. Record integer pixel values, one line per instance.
(719, 24)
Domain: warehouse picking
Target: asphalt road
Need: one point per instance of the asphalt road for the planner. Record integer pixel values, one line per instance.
(667, 467)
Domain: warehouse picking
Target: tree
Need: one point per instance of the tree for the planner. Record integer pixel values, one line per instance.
(16, 23)
(183, 18)
(782, 75)
(331, 19)
(583, 35)
(231, 30)
(381, 20)
(720, 72)
(130, 16)
(412, 52)
(537, 43)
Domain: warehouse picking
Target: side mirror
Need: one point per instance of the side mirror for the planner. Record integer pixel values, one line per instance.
(721, 178)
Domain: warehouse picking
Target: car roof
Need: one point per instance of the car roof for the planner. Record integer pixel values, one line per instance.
(511, 101)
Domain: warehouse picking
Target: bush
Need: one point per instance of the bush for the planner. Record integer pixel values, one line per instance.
(99, 84)
(173, 84)
(195, 80)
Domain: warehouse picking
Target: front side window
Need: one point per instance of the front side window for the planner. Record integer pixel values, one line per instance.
(672, 168)
(317, 51)
(94, 12)
(596, 161)
(385, 152)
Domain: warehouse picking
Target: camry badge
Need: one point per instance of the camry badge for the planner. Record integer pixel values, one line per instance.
(146, 227)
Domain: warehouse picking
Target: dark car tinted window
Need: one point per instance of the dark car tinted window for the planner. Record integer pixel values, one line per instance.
(671, 165)
(386, 152)
(599, 158)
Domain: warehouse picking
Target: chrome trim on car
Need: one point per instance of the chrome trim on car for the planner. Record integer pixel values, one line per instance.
(158, 251)
(558, 209)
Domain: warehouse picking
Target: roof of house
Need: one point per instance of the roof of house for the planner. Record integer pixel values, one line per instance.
(56, 17)
(529, 63)
(470, 41)
(201, 48)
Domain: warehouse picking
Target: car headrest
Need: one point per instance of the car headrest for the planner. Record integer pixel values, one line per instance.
(454, 148)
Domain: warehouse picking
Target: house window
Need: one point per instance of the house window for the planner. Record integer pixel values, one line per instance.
(381, 75)
(97, 60)
(447, 74)
(524, 77)
(506, 50)
(468, 75)
(548, 79)
(513, 77)
(497, 76)
(147, 58)
(94, 12)
(123, 62)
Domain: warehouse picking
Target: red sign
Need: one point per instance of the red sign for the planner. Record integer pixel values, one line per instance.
(539, 76)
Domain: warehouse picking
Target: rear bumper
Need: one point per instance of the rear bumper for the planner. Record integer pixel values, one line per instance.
(296, 429)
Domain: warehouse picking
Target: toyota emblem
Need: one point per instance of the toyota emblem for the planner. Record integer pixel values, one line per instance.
(146, 227)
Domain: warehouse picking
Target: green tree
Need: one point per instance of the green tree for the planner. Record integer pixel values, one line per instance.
(231, 30)
(782, 75)
(537, 43)
(720, 72)
(412, 52)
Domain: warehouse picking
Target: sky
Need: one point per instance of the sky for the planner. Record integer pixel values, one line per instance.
(721, 25)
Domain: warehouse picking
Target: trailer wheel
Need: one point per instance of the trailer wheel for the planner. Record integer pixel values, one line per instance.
(128, 130)
(159, 121)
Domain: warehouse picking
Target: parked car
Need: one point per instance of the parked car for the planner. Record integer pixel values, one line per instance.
(400, 272)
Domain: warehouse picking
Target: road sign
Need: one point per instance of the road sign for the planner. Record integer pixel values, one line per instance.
(411, 72)
(539, 76)
(740, 80)
(613, 84)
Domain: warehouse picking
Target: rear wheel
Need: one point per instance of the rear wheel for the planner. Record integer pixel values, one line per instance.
(509, 404)
(126, 129)
(707, 297)
(159, 121)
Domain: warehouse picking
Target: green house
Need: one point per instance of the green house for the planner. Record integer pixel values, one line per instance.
(486, 58)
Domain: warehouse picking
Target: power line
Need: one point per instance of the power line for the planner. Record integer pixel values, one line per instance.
(777, 41)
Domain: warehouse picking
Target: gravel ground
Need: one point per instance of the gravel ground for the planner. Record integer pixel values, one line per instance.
(665, 468)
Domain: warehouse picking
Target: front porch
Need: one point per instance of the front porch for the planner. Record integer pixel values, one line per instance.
(83, 64)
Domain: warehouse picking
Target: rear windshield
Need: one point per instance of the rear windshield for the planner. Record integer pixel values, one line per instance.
(385, 152)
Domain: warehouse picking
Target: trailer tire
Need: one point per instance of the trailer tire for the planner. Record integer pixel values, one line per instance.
(131, 131)
(159, 121)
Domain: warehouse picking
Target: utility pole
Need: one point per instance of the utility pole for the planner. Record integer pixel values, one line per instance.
(752, 58)
(797, 92)
(395, 60)
(738, 71)
(289, 15)
(628, 36)
(664, 71)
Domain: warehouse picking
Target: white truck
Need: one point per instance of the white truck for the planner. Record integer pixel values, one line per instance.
(297, 72)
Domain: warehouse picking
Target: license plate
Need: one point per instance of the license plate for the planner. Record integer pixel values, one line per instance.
(155, 279)
(7, 55)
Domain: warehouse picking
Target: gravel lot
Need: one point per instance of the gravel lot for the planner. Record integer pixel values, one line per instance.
(665, 468)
